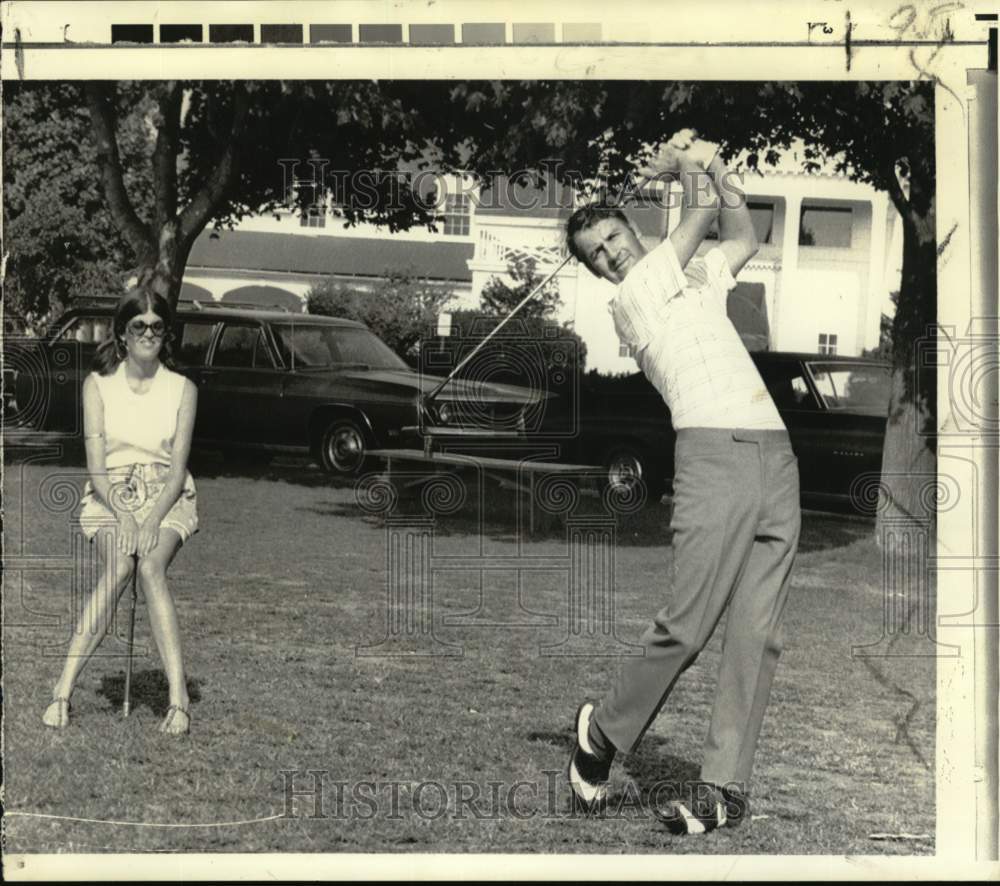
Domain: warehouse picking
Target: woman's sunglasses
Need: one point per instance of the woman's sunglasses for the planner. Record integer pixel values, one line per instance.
(138, 328)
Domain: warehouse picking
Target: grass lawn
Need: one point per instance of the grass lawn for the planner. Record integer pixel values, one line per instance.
(441, 753)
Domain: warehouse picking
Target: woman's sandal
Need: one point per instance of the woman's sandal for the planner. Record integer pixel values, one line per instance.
(61, 707)
(168, 726)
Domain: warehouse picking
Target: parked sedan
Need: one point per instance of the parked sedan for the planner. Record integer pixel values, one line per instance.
(274, 382)
(834, 407)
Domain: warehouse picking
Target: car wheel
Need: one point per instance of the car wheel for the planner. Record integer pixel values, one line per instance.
(343, 447)
(626, 466)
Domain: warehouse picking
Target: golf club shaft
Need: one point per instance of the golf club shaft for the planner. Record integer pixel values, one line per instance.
(439, 387)
(127, 706)
(496, 329)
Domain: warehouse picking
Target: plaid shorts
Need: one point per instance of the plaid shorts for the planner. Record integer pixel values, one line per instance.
(135, 488)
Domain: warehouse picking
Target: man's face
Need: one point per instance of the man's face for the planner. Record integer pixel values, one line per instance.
(610, 248)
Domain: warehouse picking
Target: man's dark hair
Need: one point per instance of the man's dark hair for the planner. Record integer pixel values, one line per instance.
(586, 217)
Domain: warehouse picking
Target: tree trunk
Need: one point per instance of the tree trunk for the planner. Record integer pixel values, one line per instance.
(162, 247)
(164, 270)
(906, 491)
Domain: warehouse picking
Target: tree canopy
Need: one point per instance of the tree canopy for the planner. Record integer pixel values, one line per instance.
(175, 157)
(61, 241)
(142, 168)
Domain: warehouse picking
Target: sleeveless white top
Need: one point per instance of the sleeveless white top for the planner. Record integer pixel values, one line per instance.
(139, 428)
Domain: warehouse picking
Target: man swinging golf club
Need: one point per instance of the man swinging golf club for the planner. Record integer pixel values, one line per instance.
(736, 491)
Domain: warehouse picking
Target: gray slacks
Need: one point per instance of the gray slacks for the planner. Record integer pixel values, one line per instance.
(735, 525)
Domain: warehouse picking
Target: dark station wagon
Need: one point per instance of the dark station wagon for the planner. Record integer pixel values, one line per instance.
(270, 382)
(280, 382)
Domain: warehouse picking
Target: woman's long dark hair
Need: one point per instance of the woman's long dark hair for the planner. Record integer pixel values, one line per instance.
(111, 351)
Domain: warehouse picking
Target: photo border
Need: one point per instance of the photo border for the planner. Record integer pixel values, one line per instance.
(738, 44)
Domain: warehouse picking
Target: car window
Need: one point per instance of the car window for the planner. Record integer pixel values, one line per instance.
(315, 345)
(86, 330)
(788, 386)
(191, 341)
(243, 347)
(859, 387)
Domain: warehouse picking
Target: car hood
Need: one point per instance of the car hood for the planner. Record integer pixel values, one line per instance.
(403, 381)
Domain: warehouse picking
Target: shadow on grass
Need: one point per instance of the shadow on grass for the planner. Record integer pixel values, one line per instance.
(149, 688)
(652, 768)
(505, 516)
(823, 532)
(295, 471)
(68, 451)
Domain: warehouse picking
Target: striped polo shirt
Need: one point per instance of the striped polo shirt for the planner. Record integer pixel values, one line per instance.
(675, 320)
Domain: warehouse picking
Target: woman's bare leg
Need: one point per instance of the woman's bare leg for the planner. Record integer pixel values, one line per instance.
(94, 622)
(163, 623)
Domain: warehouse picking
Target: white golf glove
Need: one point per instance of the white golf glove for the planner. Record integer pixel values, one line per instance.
(702, 152)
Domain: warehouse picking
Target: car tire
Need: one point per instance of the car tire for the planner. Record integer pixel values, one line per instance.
(627, 464)
(342, 448)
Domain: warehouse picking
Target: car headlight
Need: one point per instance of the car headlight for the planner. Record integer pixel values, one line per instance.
(444, 413)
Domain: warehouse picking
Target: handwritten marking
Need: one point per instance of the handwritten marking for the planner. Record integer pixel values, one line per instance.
(826, 28)
(902, 29)
(904, 19)
(18, 54)
(847, 39)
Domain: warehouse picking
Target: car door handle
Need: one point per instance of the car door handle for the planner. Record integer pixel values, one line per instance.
(204, 374)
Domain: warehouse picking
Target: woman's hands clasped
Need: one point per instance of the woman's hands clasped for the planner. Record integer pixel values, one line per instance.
(136, 538)
(149, 537)
(128, 533)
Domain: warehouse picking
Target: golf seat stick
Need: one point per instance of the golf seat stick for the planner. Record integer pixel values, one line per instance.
(126, 707)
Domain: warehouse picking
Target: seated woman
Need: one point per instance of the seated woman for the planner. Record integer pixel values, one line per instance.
(140, 502)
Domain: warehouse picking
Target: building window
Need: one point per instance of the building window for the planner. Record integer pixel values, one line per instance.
(762, 216)
(827, 343)
(457, 211)
(313, 217)
(826, 226)
(625, 350)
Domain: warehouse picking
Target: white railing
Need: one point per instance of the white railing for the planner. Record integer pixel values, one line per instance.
(492, 249)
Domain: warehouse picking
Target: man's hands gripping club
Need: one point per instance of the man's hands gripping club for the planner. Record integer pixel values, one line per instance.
(709, 190)
(684, 151)
(682, 158)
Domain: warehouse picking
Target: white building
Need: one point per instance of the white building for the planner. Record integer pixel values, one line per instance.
(829, 257)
